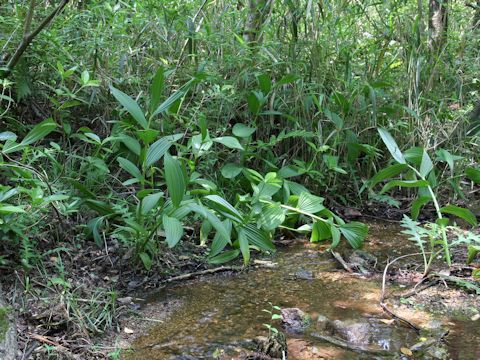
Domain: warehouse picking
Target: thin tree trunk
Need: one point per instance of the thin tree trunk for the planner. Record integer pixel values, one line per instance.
(258, 12)
(437, 23)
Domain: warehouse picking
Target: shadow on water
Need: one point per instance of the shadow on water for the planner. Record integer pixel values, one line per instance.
(225, 312)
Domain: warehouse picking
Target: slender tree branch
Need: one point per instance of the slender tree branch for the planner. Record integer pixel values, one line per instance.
(28, 37)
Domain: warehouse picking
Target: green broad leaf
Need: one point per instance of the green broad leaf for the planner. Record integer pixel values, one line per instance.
(244, 246)
(242, 130)
(156, 89)
(473, 250)
(404, 183)
(219, 240)
(254, 104)
(131, 106)
(460, 212)
(5, 195)
(94, 229)
(146, 260)
(175, 179)
(335, 235)
(272, 216)
(258, 237)
(177, 95)
(355, 233)
(473, 174)
(101, 207)
(321, 230)
(7, 135)
(212, 218)
(157, 150)
(147, 135)
(310, 203)
(287, 79)
(173, 230)
(265, 83)
(391, 145)
(296, 188)
(130, 168)
(231, 170)
(132, 144)
(414, 155)
(37, 133)
(229, 141)
(426, 165)
(418, 204)
(10, 209)
(288, 172)
(150, 201)
(205, 230)
(223, 207)
(387, 173)
(266, 189)
(449, 158)
(224, 257)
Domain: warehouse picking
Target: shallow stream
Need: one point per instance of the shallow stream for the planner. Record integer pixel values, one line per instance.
(222, 314)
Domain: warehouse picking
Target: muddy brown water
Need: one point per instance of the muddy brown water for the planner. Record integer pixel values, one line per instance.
(224, 313)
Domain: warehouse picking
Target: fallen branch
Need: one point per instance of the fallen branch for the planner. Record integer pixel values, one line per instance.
(382, 297)
(203, 272)
(342, 262)
(353, 347)
(46, 340)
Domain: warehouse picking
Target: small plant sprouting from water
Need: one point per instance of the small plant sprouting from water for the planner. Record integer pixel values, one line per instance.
(417, 170)
(273, 316)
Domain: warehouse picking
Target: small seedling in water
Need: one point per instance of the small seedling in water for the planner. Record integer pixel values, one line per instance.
(273, 316)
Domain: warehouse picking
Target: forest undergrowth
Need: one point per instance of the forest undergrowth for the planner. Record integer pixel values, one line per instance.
(143, 140)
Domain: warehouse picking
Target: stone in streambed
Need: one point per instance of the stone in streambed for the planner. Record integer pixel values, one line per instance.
(294, 320)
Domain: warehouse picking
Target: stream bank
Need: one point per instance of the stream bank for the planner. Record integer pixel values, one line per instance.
(221, 316)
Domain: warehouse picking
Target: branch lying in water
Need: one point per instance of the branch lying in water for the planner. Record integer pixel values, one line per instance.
(353, 347)
(203, 272)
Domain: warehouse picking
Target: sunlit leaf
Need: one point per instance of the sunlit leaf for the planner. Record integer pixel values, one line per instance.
(391, 145)
(229, 141)
(242, 131)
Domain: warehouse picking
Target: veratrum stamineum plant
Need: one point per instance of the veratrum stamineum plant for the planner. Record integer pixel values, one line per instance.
(419, 172)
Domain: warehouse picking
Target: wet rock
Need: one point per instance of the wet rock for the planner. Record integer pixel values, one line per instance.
(294, 320)
(435, 329)
(323, 323)
(302, 350)
(304, 275)
(352, 331)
